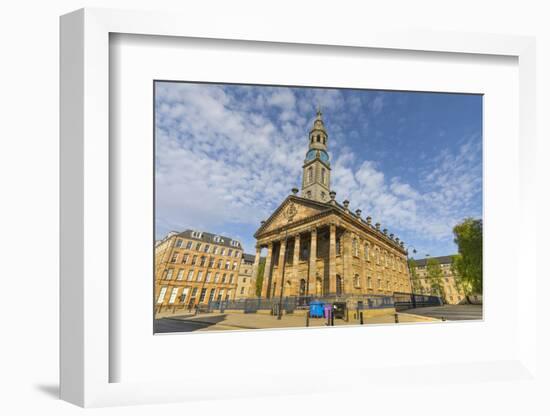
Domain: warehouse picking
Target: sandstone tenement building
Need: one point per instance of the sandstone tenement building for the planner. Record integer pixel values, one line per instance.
(452, 293)
(195, 267)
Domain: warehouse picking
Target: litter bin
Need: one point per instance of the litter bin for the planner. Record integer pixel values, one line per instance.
(327, 310)
(316, 309)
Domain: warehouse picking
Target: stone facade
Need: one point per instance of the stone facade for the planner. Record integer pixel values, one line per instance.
(317, 246)
(244, 282)
(452, 293)
(195, 267)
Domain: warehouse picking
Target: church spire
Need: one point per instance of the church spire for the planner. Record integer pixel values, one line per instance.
(316, 169)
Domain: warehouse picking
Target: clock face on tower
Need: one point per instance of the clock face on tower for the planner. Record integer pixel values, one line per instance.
(313, 153)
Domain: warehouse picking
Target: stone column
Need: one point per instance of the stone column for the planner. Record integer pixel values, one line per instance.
(363, 263)
(313, 257)
(266, 285)
(295, 261)
(332, 259)
(255, 267)
(347, 274)
(280, 268)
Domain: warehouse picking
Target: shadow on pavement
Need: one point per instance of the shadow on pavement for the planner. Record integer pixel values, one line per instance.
(187, 324)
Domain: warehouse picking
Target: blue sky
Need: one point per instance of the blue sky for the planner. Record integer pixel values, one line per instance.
(228, 155)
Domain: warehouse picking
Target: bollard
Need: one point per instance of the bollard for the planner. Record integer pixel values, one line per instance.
(331, 318)
(360, 318)
(443, 318)
(396, 318)
(307, 319)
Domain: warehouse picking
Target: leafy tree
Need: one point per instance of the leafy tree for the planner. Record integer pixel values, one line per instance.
(469, 264)
(435, 277)
(457, 269)
(260, 278)
(416, 286)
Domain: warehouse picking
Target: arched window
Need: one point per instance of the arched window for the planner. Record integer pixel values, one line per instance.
(323, 176)
(339, 285)
(302, 287)
(356, 281)
(310, 174)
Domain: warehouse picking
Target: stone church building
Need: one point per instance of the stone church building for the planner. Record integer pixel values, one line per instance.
(319, 247)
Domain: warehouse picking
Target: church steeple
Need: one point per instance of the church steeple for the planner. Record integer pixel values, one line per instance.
(316, 169)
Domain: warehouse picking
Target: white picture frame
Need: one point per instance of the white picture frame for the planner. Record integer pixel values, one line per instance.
(85, 201)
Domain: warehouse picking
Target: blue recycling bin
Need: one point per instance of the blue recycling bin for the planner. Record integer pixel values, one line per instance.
(316, 309)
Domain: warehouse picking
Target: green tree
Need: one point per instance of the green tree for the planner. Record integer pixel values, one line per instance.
(416, 286)
(260, 278)
(435, 277)
(469, 264)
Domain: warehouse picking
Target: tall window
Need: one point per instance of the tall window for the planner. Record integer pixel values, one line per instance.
(169, 274)
(234, 265)
(220, 264)
(190, 275)
(203, 294)
(208, 276)
(216, 278)
(185, 258)
(229, 252)
(310, 174)
(224, 277)
(366, 251)
(211, 297)
(203, 260)
(174, 258)
(222, 252)
(179, 243)
(323, 173)
(206, 248)
(194, 261)
(356, 281)
(189, 245)
(198, 247)
(173, 295)
(180, 275)
(199, 276)
(227, 264)
(215, 250)
(355, 247)
(162, 294)
(211, 262)
(369, 282)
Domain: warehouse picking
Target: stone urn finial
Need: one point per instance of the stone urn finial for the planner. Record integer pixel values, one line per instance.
(295, 191)
(391, 236)
(369, 220)
(358, 213)
(377, 225)
(385, 231)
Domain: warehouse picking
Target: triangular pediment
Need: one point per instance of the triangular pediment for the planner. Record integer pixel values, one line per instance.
(292, 210)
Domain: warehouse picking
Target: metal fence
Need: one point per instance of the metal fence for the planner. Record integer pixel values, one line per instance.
(404, 301)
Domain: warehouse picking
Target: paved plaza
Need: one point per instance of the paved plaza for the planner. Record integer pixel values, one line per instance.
(241, 321)
(451, 312)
